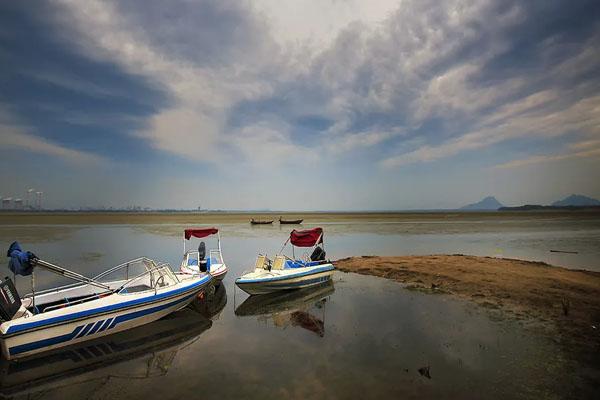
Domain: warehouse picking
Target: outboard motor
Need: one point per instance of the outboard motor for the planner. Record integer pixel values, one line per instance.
(202, 257)
(318, 254)
(10, 302)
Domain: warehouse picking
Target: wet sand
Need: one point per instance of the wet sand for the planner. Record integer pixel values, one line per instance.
(130, 218)
(563, 304)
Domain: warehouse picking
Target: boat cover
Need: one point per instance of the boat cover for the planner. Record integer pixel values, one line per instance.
(307, 238)
(200, 233)
(20, 261)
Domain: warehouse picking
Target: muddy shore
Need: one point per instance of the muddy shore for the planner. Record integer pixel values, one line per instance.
(156, 217)
(561, 303)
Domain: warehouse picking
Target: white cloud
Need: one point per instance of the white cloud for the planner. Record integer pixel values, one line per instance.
(399, 64)
(14, 136)
(192, 127)
(360, 140)
(583, 116)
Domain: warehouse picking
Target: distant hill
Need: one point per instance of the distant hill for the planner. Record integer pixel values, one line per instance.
(489, 203)
(539, 207)
(576, 200)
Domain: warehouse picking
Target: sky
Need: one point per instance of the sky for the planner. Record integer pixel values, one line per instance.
(299, 105)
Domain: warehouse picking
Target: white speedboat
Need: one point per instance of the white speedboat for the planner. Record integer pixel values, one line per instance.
(124, 297)
(144, 352)
(196, 261)
(284, 273)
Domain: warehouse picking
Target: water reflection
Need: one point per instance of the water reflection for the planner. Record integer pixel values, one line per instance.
(140, 353)
(292, 308)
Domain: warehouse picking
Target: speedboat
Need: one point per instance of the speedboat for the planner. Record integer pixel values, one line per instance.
(144, 352)
(129, 295)
(284, 273)
(196, 262)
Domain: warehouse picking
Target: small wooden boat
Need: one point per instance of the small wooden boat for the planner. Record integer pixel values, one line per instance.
(256, 222)
(290, 221)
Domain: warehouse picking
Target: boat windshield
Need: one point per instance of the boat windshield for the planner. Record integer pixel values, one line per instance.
(153, 279)
(143, 273)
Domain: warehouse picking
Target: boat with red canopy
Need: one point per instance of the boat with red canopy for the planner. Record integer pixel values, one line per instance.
(285, 273)
(198, 261)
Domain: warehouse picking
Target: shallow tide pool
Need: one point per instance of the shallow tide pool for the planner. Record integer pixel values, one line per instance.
(360, 337)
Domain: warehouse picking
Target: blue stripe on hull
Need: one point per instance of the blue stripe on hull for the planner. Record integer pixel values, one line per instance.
(115, 307)
(286, 277)
(297, 284)
(77, 332)
(266, 287)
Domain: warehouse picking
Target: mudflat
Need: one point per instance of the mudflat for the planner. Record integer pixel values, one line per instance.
(564, 303)
(159, 217)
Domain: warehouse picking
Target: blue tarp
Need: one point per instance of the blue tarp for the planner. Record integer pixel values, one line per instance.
(20, 261)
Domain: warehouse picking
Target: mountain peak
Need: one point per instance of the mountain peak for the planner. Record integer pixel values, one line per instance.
(488, 203)
(577, 200)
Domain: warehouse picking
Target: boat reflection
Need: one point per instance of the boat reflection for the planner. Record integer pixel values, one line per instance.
(139, 353)
(290, 308)
(212, 304)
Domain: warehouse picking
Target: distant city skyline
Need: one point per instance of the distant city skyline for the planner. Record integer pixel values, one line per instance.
(304, 105)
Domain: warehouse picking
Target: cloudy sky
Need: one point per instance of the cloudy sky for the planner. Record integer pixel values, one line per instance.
(303, 104)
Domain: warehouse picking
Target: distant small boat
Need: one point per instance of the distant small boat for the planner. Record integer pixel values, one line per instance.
(255, 222)
(290, 221)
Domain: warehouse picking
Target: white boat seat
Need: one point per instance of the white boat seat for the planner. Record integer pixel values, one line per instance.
(260, 262)
(278, 263)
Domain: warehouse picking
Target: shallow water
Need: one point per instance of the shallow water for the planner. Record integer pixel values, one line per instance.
(364, 337)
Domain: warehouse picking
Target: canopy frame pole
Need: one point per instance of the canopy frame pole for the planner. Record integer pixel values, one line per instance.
(69, 274)
(33, 290)
(283, 247)
(219, 246)
(318, 240)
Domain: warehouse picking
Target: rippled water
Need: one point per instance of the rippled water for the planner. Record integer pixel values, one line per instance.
(360, 337)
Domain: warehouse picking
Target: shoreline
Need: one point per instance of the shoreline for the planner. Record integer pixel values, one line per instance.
(563, 304)
(309, 217)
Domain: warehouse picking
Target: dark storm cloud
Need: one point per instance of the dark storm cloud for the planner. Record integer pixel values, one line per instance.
(206, 32)
(442, 66)
(59, 94)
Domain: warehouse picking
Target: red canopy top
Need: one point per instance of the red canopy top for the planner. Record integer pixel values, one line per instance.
(307, 238)
(200, 233)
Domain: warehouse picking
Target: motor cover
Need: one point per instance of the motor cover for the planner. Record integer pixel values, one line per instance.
(10, 302)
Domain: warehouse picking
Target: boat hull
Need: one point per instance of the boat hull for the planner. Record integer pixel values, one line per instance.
(272, 284)
(100, 321)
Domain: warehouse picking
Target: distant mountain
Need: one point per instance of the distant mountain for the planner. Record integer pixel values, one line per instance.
(489, 203)
(577, 200)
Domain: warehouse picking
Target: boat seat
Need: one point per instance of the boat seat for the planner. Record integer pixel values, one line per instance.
(260, 262)
(192, 261)
(279, 262)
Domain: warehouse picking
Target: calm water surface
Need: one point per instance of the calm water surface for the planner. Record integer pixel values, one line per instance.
(362, 336)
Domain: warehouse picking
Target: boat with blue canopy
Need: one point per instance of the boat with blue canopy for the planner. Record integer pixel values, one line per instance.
(129, 295)
(285, 273)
